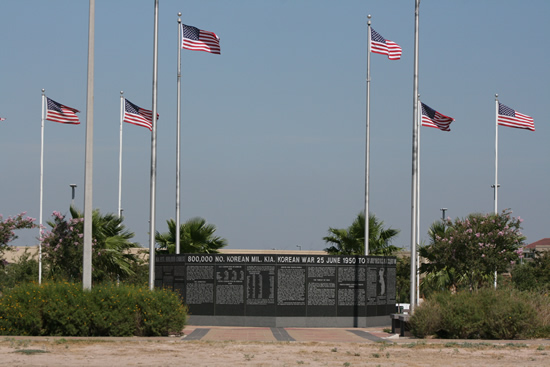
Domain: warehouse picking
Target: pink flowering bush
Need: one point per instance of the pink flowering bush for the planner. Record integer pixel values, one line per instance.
(7, 231)
(62, 248)
(473, 248)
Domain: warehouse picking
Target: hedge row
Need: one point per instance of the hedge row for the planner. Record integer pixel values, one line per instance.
(486, 314)
(65, 309)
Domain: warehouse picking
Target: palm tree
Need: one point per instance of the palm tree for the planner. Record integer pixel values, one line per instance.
(437, 229)
(111, 242)
(343, 243)
(196, 236)
(351, 241)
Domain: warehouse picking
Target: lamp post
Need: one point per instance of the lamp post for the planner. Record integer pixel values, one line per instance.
(73, 187)
(443, 210)
(299, 247)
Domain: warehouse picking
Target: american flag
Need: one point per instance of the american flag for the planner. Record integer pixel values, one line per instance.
(61, 113)
(432, 118)
(380, 45)
(511, 118)
(198, 40)
(136, 115)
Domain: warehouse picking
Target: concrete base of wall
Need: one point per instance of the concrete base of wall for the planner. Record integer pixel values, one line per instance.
(263, 321)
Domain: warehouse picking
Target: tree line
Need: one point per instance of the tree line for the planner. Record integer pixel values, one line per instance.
(464, 253)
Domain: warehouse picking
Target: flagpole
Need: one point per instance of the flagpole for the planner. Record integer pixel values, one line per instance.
(367, 143)
(418, 125)
(496, 166)
(496, 154)
(153, 154)
(89, 160)
(120, 156)
(41, 190)
(414, 187)
(178, 141)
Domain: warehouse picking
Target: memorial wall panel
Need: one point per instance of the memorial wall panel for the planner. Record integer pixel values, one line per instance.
(280, 285)
(260, 290)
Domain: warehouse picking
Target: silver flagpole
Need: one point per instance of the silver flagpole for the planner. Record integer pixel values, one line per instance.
(414, 187)
(88, 179)
(496, 154)
(418, 126)
(496, 166)
(153, 154)
(120, 157)
(367, 143)
(178, 141)
(41, 190)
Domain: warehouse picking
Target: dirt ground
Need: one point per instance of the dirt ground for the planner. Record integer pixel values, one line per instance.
(176, 351)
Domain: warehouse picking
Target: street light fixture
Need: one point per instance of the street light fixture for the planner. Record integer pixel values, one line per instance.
(73, 187)
(443, 210)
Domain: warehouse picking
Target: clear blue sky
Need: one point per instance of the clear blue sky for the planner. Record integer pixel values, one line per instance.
(273, 136)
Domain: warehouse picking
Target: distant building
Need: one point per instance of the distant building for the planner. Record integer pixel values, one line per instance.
(538, 246)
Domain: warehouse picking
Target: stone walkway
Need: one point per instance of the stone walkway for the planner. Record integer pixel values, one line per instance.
(327, 335)
(266, 334)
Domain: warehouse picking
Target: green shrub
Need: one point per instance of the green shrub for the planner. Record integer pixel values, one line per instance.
(511, 319)
(462, 317)
(541, 304)
(113, 311)
(427, 319)
(20, 311)
(533, 275)
(488, 314)
(154, 316)
(64, 309)
(23, 271)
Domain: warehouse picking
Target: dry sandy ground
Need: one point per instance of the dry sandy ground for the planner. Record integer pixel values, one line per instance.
(177, 352)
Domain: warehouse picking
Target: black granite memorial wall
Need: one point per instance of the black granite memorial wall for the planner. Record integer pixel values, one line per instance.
(280, 285)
